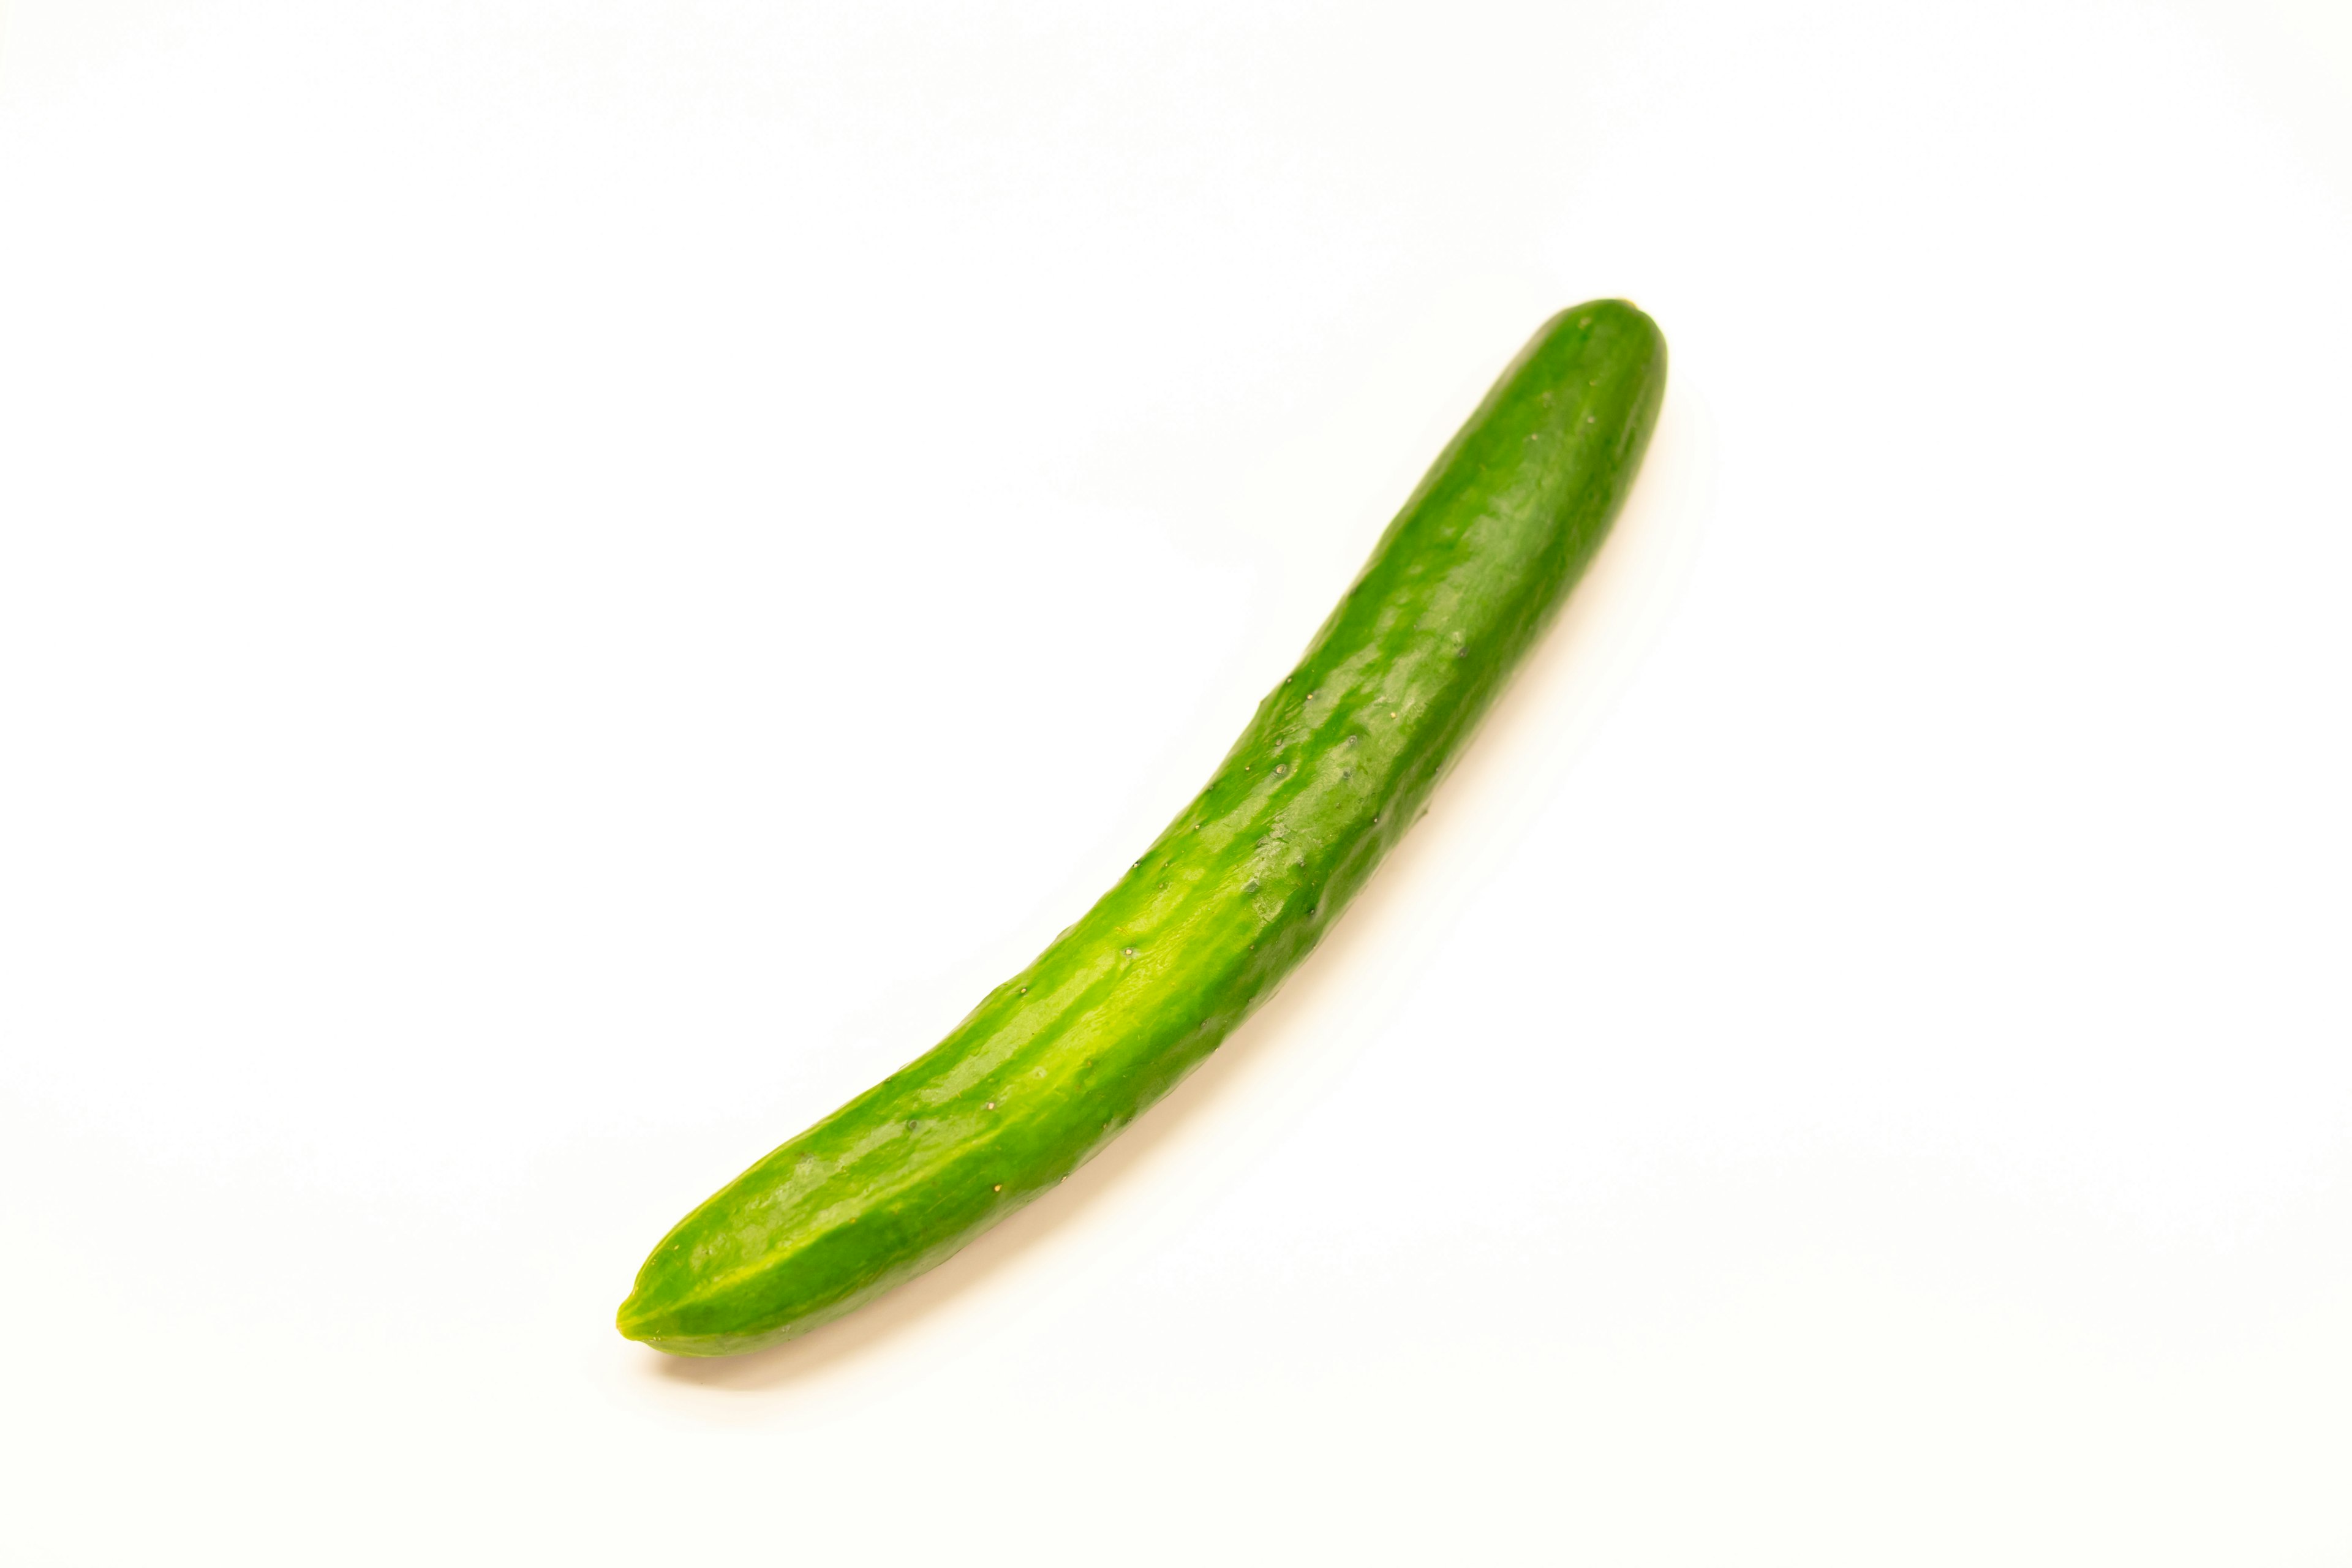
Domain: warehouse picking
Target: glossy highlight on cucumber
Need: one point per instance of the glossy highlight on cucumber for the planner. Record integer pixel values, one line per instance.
(1335, 767)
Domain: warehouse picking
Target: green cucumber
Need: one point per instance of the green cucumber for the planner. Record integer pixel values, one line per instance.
(1333, 769)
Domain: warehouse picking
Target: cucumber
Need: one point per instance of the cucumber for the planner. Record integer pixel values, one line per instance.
(1336, 766)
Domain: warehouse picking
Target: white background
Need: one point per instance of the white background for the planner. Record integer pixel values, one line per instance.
(576, 580)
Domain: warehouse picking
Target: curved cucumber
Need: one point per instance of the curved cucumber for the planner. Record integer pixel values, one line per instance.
(1336, 766)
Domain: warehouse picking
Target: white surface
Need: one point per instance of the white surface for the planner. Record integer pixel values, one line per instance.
(577, 580)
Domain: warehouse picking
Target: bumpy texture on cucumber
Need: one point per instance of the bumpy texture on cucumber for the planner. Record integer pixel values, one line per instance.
(1336, 766)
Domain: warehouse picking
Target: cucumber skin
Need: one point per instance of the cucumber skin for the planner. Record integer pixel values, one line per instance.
(1335, 767)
